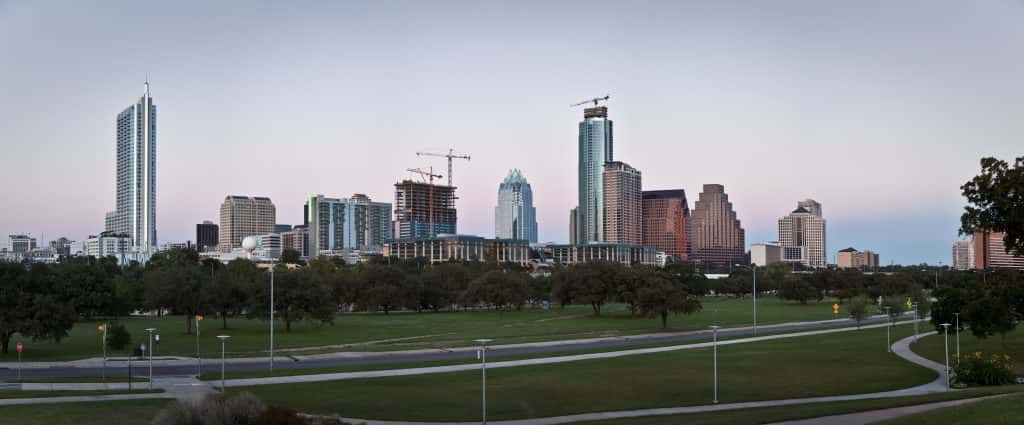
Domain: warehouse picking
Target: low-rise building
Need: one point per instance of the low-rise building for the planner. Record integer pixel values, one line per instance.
(460, 248)
(851, 258)
(621, 253)
(763, 254)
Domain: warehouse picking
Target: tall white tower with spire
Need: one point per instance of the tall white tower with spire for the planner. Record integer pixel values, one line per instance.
(135, 213)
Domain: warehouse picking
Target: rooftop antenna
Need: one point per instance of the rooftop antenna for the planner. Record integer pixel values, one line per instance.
(147, 84)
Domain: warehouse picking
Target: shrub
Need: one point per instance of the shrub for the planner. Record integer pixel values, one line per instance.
(118, 337)
(238, 409)
(977, 369)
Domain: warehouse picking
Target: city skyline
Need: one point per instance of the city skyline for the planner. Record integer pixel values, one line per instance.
(228, 110)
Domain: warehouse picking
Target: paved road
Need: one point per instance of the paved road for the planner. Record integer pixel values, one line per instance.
(186, 367)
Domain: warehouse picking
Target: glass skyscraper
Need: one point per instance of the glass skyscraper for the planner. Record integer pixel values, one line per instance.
(514, 216)
(595, 149)
(135, 213)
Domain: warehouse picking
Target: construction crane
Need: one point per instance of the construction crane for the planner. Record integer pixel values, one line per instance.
(450, 155)
(428, 176)
(594, 101)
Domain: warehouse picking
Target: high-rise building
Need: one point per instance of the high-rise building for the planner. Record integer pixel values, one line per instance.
(595, 149)
(62, 246)
(851, 258)
(990, 252)
(763, 254)
(420, 205)
(207, 236)
(802, 235)
(623, 208)
(514, 216)
(135, 213)
(718, 238)
(281, 228)
(666, 217)
(242, 216)
(21, 243)
(574, 227)
(963, 255)
(355, 223)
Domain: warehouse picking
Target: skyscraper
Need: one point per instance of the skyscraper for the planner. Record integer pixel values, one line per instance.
(135, 213)
(963, 255)
(207, 236)
(242, 216)
(718, 238)
(666, 217)
(418, 206)
(595, 149)
(514, 216)
(354, 223)
(622, 205)
(574, 227)
(802, 235)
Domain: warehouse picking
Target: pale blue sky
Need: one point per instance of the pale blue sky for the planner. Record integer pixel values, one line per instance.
(878, 110)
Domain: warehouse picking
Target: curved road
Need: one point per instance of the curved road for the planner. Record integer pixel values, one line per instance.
(186, 367)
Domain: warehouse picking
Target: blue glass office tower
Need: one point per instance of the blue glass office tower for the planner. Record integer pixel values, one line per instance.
(595, 149)
(514, 216)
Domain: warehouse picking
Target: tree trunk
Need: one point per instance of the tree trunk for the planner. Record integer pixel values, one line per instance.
(188, 324)
(5, 342)
(224, 319)
(664, 319)
(287, 324)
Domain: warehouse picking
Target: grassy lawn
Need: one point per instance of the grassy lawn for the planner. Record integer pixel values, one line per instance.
(379, 332)
(124, 412)
(931, 347)
(801, 411)
(1001, 411)
(85, 379)
(845, 363)
(47, 394)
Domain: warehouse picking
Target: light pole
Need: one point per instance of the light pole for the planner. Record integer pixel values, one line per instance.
(142, 350)
(223, 339)
(150, 330)
(957, 327)
(945, 333)
(483, 376)
(272, 318)
(199, 358)
(916, 318)
(103, 328)
(888, 329)
(714, 339)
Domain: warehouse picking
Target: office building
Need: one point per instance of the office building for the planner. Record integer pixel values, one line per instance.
(574, 226)
(963, 255)
(109, 244)
(990, 252)
(207, 236)
(622, 204)
(851, 258)
(135, 213)
(595, 149)
(281, 228)
(20, 243)
(297, 240)
(444, 248)
(423, 210)
(763, 254)
(666, 216)
(355, 223)
(599, 251)
(268, 246)
(802, 235)
(718, 238)
(514, 216)
(242, 216)
(62, 246)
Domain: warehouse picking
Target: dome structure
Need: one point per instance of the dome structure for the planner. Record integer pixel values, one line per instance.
(249, 244)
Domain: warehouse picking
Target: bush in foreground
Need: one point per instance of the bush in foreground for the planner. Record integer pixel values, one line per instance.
(238, 409)
(977, 369)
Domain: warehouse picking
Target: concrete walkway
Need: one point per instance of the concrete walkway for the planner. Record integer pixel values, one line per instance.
(886, 414)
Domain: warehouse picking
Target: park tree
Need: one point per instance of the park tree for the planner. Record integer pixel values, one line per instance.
(896, 304)
(995, 200)
(128, 291)
(799, 288)
(858, 308)
(228, 288)
(296, 297)
(384, 288)
(500, 289)
(32, 304)
(118, 337)
(591, 283)
(291, 256)
(173, 280)
(659, 296)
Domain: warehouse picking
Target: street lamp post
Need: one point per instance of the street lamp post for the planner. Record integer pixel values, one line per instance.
(483, 376)
(714, 339)
(957, 327)
(142, 350)
(150, 330)
(888, 329)
(199, 357)
(223, 339)
(271, 318)
(945, 333)
(916, 318)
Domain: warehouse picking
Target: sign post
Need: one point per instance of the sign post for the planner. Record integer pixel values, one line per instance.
(103, 328)
(19, 347)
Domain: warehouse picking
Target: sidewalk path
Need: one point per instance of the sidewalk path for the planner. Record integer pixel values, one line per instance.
(873, 416)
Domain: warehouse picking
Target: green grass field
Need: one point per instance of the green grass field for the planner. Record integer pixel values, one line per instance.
(844, 363)
(124, 412)
(87, 379)
(800, 411)
(47, 394)
(931, 347)
(399, 331)
(1000, 411)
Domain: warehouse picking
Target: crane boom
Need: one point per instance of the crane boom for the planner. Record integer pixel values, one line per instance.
(450, 155)
(594, 101)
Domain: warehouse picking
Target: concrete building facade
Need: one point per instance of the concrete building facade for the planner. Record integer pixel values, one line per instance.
(424, 210)
(851, 258)
(763, 254)
(600, 251)
(443, 248)
(990, 252)
(718, 236)
(963, 255)
(623, 209)
(802, 235)
(242, 216)
(666, 220)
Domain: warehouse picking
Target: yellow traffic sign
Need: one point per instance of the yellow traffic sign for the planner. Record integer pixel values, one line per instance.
(835, 308)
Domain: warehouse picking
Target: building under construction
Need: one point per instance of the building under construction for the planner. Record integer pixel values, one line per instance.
(423, 210)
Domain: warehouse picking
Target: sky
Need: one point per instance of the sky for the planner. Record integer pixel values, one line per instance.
(879, 110)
